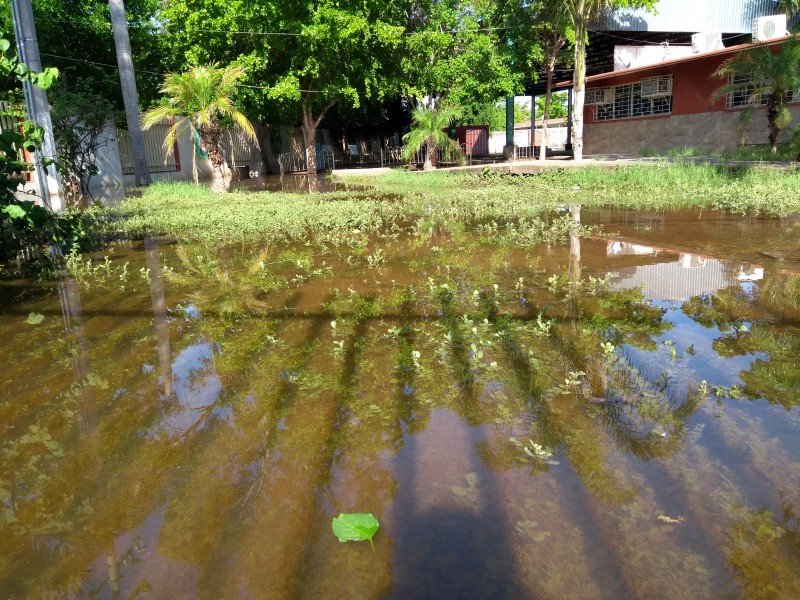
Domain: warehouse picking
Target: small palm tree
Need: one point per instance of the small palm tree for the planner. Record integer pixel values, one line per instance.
(770, 76)
(428, 130)
(198, 98)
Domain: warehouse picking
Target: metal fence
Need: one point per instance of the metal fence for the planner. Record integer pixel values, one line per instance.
(11, 122)
(153, 149)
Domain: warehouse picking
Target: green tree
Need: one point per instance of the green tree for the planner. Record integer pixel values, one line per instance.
(199, 98)
(764, 75)
(493, 114)
(328, 53)
(78, 35)
(558, 106)
(428, 131)
(455, 51)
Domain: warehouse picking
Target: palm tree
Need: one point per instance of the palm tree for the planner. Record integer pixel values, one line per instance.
(198, 98)
(767, 77)
(428, 130)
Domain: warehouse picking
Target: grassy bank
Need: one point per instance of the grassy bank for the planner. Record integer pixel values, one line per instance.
(646, 187)
(402, 200)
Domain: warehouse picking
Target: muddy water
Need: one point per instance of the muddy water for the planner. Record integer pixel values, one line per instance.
(614, 417)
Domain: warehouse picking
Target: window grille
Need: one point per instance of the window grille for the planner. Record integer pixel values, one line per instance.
(629, 103)
(745, 87)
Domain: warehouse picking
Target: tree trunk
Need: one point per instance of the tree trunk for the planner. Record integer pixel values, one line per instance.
(581, 16)
(211, 134)
(130, 98)
(774, 130)
(547, 98)
(430, 157)
(309, 128)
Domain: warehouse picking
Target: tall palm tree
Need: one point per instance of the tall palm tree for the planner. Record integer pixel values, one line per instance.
(428, 130)
(130, 98)
(198, 98)
(767, 76)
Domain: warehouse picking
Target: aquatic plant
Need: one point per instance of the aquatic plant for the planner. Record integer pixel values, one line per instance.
(355, 527)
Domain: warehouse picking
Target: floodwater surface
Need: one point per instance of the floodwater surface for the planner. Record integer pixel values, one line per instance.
(607, 417)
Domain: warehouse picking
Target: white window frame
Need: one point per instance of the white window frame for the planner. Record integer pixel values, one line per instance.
(630, 104)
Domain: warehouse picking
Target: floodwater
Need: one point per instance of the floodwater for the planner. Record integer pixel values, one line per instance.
(613, 417)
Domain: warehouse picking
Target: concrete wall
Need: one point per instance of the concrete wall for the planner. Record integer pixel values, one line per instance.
(713, 131)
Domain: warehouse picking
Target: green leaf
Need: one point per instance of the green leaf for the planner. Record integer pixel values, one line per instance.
(35, 318)
(15, 211)
(355, 527)
(4, 45)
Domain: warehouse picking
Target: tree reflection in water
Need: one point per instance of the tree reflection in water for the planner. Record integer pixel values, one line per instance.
(315, 395)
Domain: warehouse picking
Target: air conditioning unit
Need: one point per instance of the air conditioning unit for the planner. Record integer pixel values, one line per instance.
(706, 42)
(767, 28)
(657, 87)
(604, 95)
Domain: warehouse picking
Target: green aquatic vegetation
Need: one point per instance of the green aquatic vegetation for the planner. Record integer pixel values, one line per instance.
(34, 318)
(764, 551)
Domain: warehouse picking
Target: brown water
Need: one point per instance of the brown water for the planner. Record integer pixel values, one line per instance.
(185, 422)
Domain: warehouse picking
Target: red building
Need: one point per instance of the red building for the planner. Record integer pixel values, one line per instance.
(668, 105)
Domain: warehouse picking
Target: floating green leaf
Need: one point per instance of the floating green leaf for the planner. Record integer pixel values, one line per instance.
(34, 318)
(355, 527)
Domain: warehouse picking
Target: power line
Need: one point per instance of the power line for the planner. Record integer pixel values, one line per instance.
(168, 29)
(115, 67)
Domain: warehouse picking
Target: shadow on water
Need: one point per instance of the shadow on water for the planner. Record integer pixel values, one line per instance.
(462, 547)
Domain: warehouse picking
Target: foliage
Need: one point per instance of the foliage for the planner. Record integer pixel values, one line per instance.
(78, 36)
(772, 76)
(429, 131)
(355, 527)
(198, 99)
(558, 106)
(333, 52)
(81, 118)
(493, 114)
(454, 50)
(24, 225)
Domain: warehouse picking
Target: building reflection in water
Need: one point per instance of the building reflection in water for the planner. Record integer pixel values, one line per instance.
(677, 279)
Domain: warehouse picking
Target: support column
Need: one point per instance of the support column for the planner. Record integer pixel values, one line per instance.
(568, 145)
(36, 103)
(508, 149)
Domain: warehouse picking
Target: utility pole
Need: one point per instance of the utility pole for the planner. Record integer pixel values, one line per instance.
(127, 80)
(36, 103)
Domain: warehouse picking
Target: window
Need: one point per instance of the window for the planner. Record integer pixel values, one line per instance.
(630, 101)
(746, 86)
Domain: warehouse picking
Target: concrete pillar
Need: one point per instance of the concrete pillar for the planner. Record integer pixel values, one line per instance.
(568, 144)
(508, 149)
(36, 103)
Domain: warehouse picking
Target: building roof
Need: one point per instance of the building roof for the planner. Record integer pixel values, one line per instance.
(724, 52)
